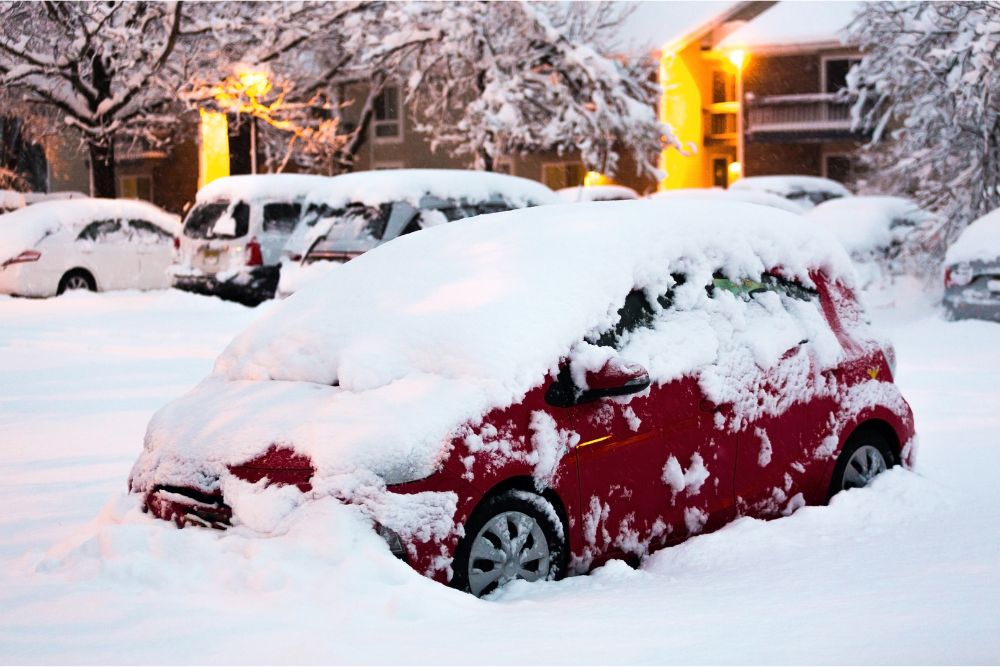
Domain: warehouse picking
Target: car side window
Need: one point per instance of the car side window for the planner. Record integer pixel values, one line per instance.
(103, 231)
(281, 217)
(636, 313)
(747, 288)
(492, 207)
(147, 232)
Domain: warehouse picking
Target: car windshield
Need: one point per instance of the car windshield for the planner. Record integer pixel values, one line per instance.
(202, 218)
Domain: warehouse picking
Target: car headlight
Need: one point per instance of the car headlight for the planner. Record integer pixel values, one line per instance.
(393, 539)
(958, 275)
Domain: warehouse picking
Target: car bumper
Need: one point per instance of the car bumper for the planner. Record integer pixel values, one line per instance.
(979, 305)
(250, 286)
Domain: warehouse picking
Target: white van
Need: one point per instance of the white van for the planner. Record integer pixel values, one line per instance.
(354, 213)
(233, 236)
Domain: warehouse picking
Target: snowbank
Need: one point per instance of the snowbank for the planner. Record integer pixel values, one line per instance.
(979, 241)
(373, 368)
(24, 228)
(866, 224)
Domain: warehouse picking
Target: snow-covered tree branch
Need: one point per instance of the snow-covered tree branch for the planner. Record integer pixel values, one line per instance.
(928, 88)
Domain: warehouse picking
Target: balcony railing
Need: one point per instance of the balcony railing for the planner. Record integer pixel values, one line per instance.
(809, 115)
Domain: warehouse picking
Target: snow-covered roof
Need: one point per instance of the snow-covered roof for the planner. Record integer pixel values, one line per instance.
(23, 228)
(257, 187)
(374, 366)
(38, 197)
(582, 193)
(749, 196)
(671, 24)
(9, 199)
(386, 185)
(863, 224)
(786, 186)
(979, 241)
(789, 24)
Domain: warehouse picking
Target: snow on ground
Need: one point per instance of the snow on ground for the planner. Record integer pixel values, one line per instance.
(907, 571)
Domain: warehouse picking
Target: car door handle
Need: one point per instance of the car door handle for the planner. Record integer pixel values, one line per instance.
(706, 405)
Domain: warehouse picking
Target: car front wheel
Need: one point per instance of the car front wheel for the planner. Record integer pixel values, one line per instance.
(514, 535)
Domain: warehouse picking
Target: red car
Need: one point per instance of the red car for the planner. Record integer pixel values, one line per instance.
(628, 375)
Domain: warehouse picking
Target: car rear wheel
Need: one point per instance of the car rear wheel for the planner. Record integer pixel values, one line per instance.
(866, 455)
(514, 535)
(76, 279)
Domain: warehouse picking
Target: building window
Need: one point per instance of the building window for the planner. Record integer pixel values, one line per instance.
(839, 168)
(558, 175)
(135, 187)
(723, 86)
(835, 73)
(720, 172)
(388, 121)
(722, 124)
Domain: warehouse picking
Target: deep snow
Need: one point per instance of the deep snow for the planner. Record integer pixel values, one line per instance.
(907, 571)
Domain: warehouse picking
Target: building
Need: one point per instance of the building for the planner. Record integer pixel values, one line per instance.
(754, 91)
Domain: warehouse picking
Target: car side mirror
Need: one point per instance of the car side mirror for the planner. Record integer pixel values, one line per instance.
(616, 378)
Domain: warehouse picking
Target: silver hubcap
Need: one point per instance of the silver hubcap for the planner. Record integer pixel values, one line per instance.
(77, 282)
(510, 546)
(863, 466)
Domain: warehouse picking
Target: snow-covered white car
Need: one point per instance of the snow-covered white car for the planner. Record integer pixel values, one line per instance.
(11, 200)
(94, 244)
(748, 196)
(354, 213)
(805, 191)
(873, 230)
(532, 394)
(582, 193)
(972, 271)
(232, 238)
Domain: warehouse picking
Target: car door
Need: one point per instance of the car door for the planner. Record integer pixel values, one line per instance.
(778, 461)
(105, 248)
(155, 247)
(653, 468)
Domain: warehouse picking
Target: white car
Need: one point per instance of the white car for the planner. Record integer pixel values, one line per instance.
(11, 200)
(232, 238)
(94, 244)
(805, 191)
(749, 196)
(582, 193)
(356, 212)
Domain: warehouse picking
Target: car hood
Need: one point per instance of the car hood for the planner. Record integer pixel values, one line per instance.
(193, 441)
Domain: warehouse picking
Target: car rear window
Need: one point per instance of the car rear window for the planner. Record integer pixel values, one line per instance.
(202, 219)
(281, 217)
(354, 221)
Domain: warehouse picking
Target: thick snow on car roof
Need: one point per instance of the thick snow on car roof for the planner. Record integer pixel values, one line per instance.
(865, 223)
(979, 241)
(23, 228)
(749, 196)
(386, 185)
(788, 185)
(256, 187)
(432, 330)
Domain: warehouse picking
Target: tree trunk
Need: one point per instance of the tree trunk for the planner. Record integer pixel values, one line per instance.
(102, 169)
(485, 160)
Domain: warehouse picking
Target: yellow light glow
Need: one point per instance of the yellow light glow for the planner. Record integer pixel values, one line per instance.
(596, 178)
(255, 84)
(738, 58)
(213, 151)
(735, 170)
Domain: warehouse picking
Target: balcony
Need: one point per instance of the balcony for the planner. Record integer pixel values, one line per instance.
(812, 116)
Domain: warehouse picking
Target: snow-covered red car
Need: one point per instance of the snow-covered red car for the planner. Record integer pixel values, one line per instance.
(804, 191)
(233, 236)
(93, 244)
(972, 271)
(532, 395)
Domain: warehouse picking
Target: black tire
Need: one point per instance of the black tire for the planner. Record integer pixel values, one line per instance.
(860, 439)
(510, 502)
(77, 279)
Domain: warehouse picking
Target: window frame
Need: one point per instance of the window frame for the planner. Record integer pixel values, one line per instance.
(377, 122)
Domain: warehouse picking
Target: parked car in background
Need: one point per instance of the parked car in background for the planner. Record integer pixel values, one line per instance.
(93, 244)
(233, 236)
(582, 193)
(805, 191)
(873, 230)
(532, 394)
(719, 194)
(354, 213)
(972, 271)
(39, 197)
